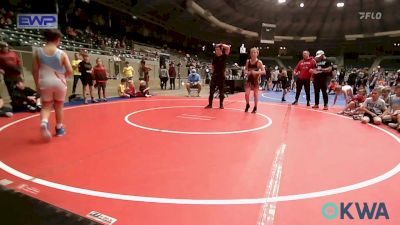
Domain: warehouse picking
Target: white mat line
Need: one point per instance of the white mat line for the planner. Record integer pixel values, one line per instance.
(192, 118)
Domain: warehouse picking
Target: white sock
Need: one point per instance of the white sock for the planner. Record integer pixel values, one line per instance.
(44, 121)
(59, 125)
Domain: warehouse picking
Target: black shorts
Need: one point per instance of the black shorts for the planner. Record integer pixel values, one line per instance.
(285, 84)
(87, 80)
(371, 118)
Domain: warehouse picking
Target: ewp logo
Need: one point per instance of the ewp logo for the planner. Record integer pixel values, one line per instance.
(37, 21)
(330, 211)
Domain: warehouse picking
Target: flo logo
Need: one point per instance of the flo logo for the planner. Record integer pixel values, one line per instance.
(370, 15)
(355, 210)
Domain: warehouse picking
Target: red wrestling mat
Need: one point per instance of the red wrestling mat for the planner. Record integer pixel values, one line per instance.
(170, 162)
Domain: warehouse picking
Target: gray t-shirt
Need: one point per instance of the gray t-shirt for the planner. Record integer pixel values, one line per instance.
(163, 73)
(377, 107)
(394, 103)
(387, 100)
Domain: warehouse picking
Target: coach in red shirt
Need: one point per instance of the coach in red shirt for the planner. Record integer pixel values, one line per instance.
(10, 66)
(303, 71)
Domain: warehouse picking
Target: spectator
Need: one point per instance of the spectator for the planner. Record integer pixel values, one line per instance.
(373, 79)
(122, 89)
(5, 111)
(10, 66)
(128, 71)
(193, 82)
(285, 84)
(2, 22)
(341, 77)
(130, 90)
(364, 78)
(392, 79)
(292, 83)
(351, 80)
(25, 98)
(381, 83)
(386, 95)
(263, 78)
(71, 32)
(86, 77)
(9, 17)
(103, 44)
(172, 75)
(373, 108)
(144, 72)
(290, 77)
(9, 21)
(77, 75)
(392, 114)
(100, 76)
(144, 90)
(275, 79)
(164, 76)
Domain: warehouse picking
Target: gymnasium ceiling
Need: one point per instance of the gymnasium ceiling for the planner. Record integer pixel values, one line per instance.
(318, 18)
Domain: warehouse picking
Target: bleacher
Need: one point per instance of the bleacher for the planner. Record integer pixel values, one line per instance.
(22, 37)
(390, 64)
(358, 63)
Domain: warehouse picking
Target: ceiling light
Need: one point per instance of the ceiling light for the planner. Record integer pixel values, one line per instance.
(302, 5)
(281, 1)
(340, 4)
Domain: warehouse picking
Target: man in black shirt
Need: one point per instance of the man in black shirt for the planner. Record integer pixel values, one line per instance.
(218, 76)
(351, 80)
(86, 77)
(341, 77)
(321, 76)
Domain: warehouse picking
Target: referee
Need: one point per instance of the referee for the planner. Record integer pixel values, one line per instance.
(218, 77)
(322, 74)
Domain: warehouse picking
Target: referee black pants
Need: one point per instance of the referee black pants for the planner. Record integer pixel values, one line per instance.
(220, 84)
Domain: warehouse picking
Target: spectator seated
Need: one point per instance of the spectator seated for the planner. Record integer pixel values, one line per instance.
(25, 98)
(193, 83)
